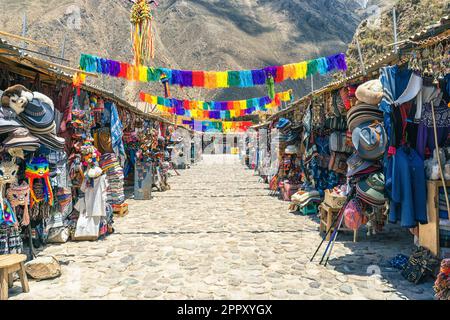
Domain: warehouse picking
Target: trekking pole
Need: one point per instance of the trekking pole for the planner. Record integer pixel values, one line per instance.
(335, 219)
(334, 240)
(325, 236)
(329, 242)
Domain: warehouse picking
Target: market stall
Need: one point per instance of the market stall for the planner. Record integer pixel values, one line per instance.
(67, 153)
(373, 149)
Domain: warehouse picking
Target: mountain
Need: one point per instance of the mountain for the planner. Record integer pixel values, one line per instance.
(195, 34)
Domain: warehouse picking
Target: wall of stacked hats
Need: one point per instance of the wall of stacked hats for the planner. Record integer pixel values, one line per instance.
(63, 163)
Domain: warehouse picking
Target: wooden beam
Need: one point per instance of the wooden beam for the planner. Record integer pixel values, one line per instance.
(7, 34)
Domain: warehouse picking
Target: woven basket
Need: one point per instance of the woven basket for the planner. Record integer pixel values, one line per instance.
(334, 201)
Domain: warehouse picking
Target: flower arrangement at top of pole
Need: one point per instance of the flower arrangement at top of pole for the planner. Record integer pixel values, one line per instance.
(141, 31)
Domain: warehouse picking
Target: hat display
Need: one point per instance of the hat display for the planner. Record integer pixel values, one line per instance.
(8, 125)
(371, 190)
(21, 138)
(370, 92)
(370, 140)
(356, 164)
(363, 112)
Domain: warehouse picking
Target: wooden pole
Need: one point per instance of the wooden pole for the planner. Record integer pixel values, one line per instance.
(24, 28)
(394, 18)
(28, 40)
(361, 60)
(439, 158)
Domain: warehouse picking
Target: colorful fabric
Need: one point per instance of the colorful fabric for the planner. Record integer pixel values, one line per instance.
(117, 134)
(221, 126)
(214, 79)
(216, 109)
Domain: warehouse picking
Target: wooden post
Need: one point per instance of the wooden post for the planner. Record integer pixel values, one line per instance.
(63, 47)
(394, 18)
(24, 28)
(361, 60)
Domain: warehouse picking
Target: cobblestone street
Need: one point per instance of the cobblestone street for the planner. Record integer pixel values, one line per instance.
(217, 234)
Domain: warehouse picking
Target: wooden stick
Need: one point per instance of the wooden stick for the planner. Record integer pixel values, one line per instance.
(439, 158)
(7, 34)
(51, 64)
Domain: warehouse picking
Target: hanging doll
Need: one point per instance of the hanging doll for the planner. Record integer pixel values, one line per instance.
(19, 195)
(38, 169)
(8, 171)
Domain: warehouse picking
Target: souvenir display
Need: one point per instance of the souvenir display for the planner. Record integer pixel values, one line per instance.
(54, 188)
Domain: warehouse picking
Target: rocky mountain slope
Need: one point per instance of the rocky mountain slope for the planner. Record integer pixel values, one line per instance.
(376, 35)
(196, 34)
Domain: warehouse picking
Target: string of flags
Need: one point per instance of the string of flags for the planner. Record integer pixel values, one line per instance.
(218, 126)
(215, 109)
(214, 79)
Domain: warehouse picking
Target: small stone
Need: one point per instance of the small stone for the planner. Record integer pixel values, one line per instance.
(292, 291)
(346, 289)
(313, 292)
(315, 285)
(152, 294)
(129, 282)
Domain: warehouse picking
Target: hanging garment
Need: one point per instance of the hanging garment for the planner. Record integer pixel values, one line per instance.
(425, 135)
(408, 195)
(94, 201)
(117, 134)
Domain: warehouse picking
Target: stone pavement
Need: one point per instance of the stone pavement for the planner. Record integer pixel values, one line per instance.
(218, 235)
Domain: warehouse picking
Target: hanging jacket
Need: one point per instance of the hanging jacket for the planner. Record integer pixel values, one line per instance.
(408, 184)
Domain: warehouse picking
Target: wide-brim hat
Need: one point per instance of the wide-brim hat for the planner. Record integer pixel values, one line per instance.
(372, 189)
(51, 141)
(20, 137)
(38, 113)
(8, 125)
(48, 130)
(356, 164)
(370, 140)
(363, 112)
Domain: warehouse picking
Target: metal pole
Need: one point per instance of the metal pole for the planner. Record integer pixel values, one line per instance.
(361, 60)
(24, 28)
(63, 47)
(394, 17)
(312, 83)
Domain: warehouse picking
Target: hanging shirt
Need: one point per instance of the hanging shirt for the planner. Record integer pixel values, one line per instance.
(94, 201)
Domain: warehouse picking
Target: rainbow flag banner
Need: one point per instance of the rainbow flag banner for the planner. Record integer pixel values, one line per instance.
(218, 126)
(215, 109)
(213, 79)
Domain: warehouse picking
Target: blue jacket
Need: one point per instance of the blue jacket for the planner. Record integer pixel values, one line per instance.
(408, 189)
